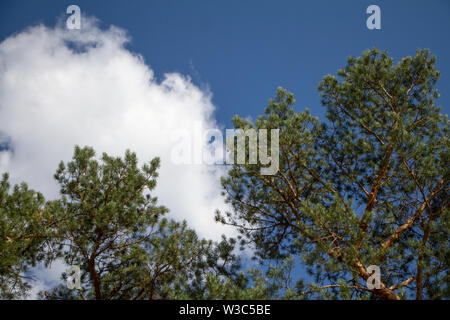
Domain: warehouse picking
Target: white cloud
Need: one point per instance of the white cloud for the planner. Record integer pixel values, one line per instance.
(62, 87)
(46, 278)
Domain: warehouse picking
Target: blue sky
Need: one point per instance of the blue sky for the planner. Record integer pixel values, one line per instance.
(244, 50)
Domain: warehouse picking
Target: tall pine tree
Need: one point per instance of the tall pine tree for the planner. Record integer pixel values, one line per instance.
(24, 236)
(367, 187)
(110, 226)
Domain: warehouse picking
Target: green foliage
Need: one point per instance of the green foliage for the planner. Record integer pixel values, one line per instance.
(22, 236)
(367, 187)
(111, 226)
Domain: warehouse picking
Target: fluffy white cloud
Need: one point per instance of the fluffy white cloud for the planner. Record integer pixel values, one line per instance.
(46, 278)
(60, 87)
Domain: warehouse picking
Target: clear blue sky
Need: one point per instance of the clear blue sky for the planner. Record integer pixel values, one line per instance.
(244, 50)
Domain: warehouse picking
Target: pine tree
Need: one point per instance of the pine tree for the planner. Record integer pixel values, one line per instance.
(369, 186)
(24, 226)
(111, 226)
